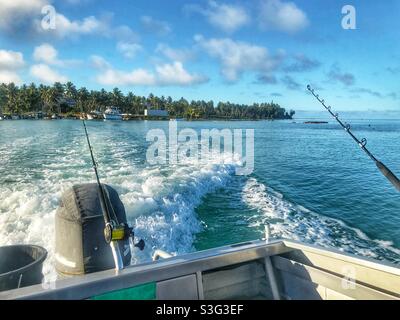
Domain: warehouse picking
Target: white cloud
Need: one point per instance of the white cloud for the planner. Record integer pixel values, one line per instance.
(164, 75)
(237, 57)
(128, 49)
(86, 26)
(10, 63)
(15, 10)
(282, 16)
(155, 26)
(91, 25)
(174, 54)
(99, 62)
(7, 76)
(122, 32)
(175, 74)
(46, 75)
(65, 27)
(11, 60)
(227, 17)
(45, 53)
(24, 18)
(135, 77)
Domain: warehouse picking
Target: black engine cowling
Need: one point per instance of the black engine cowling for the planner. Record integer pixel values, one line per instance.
(79, 227)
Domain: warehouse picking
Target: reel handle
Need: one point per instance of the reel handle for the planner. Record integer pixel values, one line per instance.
(140, 245)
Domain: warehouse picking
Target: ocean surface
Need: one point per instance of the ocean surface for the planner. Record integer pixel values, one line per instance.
(310, 183)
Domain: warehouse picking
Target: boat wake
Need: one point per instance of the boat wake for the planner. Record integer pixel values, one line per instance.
(291, 221)
(161, 204)
(160, 201)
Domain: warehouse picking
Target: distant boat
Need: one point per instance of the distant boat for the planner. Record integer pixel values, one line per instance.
(1, 118)
(112, 113)
(94, 115)
(316, 122)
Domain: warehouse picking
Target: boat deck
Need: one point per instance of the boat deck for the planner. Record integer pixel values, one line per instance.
(280, 269)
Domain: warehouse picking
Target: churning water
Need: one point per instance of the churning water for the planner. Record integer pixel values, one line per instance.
(310, 183)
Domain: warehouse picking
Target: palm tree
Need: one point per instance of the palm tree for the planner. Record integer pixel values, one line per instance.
(94, 100)
(58, 94)
(83, 97)
(14, 99)
(50, 99)
(12, 96)
(33, 97)
(3, 97)
(130, 102)
(104, 99)
(23, 103)
(191, 113)
(117, 97)
(70, 90)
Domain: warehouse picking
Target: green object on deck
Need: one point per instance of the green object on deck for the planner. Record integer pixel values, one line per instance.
(143, 292)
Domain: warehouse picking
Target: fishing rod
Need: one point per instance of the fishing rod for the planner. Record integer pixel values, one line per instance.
(362, 143)
(113, 231)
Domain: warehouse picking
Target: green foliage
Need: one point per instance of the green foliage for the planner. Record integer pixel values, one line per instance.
(66, 98)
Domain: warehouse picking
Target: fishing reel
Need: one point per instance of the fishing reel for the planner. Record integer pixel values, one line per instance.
(121, 232)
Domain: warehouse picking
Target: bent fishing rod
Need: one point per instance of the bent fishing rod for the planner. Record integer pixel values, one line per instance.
(113, 231)
(362, 143)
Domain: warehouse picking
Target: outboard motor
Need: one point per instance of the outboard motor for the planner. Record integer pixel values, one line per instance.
(81, 245)
(92, 233)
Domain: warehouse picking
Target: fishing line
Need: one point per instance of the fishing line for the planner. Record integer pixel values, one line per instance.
(362, 143)
(111, 228)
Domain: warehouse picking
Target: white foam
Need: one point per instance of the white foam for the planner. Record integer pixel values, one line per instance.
(159, 201)
(291, 221)
(163, 211)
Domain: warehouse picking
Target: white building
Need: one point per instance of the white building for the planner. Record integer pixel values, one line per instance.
(155, 113)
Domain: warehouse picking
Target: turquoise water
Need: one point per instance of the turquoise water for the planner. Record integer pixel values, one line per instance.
(310, 182)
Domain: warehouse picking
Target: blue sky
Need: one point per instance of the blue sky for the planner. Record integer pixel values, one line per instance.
(239, 51)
